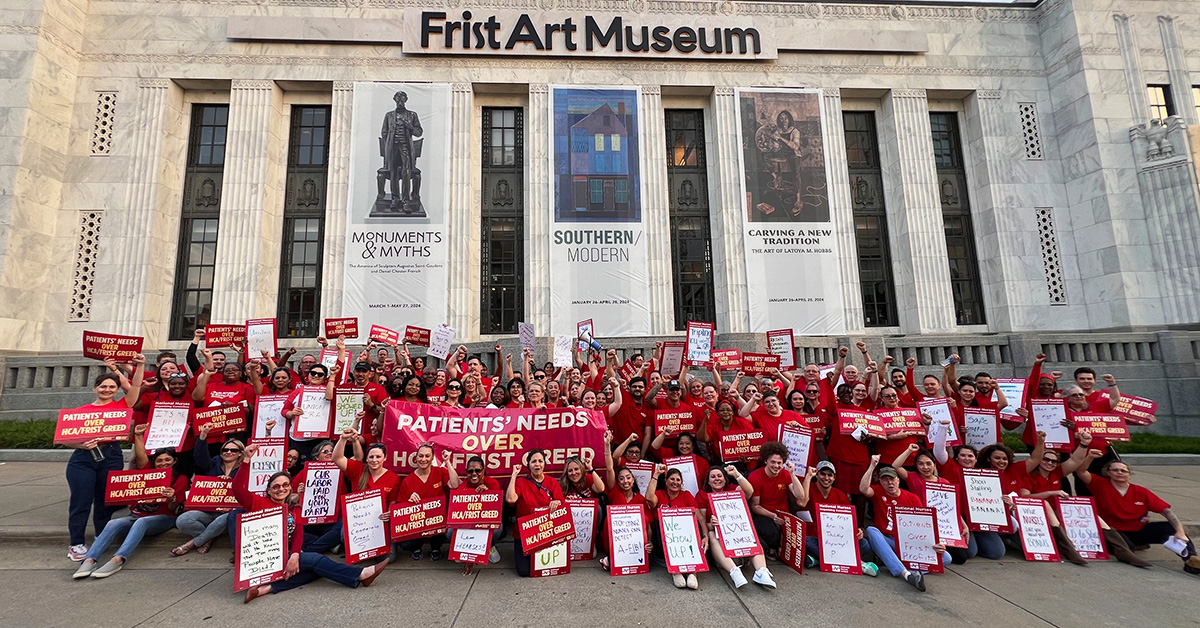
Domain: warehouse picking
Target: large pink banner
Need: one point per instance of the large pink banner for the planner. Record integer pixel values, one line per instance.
(500, 437)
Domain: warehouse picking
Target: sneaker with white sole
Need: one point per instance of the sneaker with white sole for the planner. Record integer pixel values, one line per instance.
(739, 580)
(680, 581)
(494, 556)
(692, 582)
(77, 552)
(870, 569)
(85, 569)
(763, 577)
(108, 569)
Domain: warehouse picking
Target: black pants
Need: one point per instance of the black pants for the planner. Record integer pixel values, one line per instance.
(435, 543)
(768, 531)
(1154, 533)
(520, 559)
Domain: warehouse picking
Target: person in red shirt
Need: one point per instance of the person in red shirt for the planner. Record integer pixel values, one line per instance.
(772, 484)
(711, 430)
(672, 406)
(322, 538)
(884, 497)
(770, 417)
(685, 447)
(229, 390)
(150, 519)
(719, 480)
(535, 491)
(673, 496)
(1126, 507)
(375, 397)
(895, 444)
(622, 490)
(579, 479)
(986, 544)
(477, 482)
(634, 416)
(370, 473)
(926, 473)
(824, 492)
(427, 482)
(849, 454)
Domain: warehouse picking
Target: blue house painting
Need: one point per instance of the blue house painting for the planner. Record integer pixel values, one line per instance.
(596, 157)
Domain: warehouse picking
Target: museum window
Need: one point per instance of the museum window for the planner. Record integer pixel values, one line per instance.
(304, 223)
(956, 219)
(1161, 105)
(870, 220)
(199, 218)
(503, 215)
(691, 241)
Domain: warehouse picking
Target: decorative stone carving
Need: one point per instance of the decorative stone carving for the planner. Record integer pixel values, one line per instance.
(727, 8)
(1153, 139)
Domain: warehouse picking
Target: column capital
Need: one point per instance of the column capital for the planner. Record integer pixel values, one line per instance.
(154, 83)
(723, 91)
(343, 86)
(910, 92)
(652, 90)
(539, 88)
(252, 84)
(461, 88)
(988, 94)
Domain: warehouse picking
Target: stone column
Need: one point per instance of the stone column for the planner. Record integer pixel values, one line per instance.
(1177, 66)
(925, 302)
(656, 214)
(460, 215)
(246, 276)
(1127, 44)
(729, 254)
(337, 191)
(838, 180)
(124, 293)
(537, 213)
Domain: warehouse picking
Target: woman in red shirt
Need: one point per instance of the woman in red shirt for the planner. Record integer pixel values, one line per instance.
(302, 567)
(895, 444)
(150, 519)
(530, 493)
(579, 479)
(710, 430)
(926, 474)
(454, 394)
(986, 544)
(324, 537)
(719, 480)
(685, 446)
(622, 490)
(673, 496)
(427, 482)
(850, 455)
(1126, 507)
(476, 482)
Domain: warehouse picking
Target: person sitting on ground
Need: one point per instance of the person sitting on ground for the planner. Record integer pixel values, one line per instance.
(884, 497)
(719, 480)
(825, 492)
(476, 482)
(202, 526)
(772, 483)
(672, 495)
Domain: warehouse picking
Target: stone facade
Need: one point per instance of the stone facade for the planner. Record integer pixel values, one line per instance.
(1050, 99)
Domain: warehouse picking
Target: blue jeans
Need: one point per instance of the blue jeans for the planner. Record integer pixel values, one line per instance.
(990, 544)
(134, 528)
(88, 480)
(885, 549)
(202, 526)
(314, 566)
(812, 547)
(322, 538)
(231, 523)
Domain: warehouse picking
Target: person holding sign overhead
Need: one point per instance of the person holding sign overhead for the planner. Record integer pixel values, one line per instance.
(302, 567)
(772, 484)
(719, 480)
(674, 496)
(427, 482)
(884, 497)
(87, 470)
(529, 493)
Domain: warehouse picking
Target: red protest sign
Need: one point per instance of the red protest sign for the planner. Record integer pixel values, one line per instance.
(470, 545)
(627, 537)
(100, 346)
(347, 327)
(211, 494)
(741, 445)
(221, 336)
(759, 363)
(898, 420)
(850, 420)
(735, 529)
(318, 501)
(681, 540)
(418, 336)
(678, 419)
(1136, 410)
(1082, 526)
(471, 509)
(79, 425)
(838, 539)
(916, 533)
(364, 534)
(1036, 540)
(413, 521)
(791, 541)
(136, 487)
(627, 370)
(499, 436)
(1110, 427)
(782, 343)
(585, 513)
(384, 335)
(727, 359)
(545, 528)
(220, 419)
(260, 548)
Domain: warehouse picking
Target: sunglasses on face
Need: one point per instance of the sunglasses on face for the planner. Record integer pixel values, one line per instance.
(1051, 460)
(811, 392)
(539, 377)
(316, 373)
(474, 471)
(231, 450)
(454, 388)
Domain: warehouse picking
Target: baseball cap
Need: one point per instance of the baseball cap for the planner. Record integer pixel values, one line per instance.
(362, 366)
(885, 472)
(825, 464)
(674, 385)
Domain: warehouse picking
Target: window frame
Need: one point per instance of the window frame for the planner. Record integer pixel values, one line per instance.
(310, 209)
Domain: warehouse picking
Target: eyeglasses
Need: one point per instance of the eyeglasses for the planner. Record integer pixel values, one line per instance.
(316, 373)
(454, 388)
(1051, 459)
(891, 396)
(231, 450)
(811, 392)
(284, 485)
(474, 471)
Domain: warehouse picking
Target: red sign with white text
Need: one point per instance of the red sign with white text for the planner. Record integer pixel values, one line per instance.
(727, 359)
(222, 419)
(418, 336)
(850, 420)
(221, 336)
(136, 487)
(1107, 426)
(347, 327)
(211, 494)
(384, 335)
(469, 509)
(1136, 410)
(413, 521)
(759, 363)
(545, 528)
(741, 445)
(100, 346)
(79, 425)
(898, 420)
(791, 541)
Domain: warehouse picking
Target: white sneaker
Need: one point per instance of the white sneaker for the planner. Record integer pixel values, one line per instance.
(77, 552)
(494, 556)
(739, 580)
(763, 577)
(692, 582)
(680, 581)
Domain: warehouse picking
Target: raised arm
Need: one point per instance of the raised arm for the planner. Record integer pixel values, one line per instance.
(750, 405)
(1035, 456)
(193, 362)
(140, 460)
(864, 483)
(610, 472)
(339, 450)
(453, 481)
(1114, 394)
(840, 365)
(898, 463)
(618, 398)
(941, 451)
(950, 376)
(510, 493)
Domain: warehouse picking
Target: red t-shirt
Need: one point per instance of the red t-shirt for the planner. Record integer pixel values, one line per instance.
(837, 497)
(434, 485)
(301, 478)
(772, 492)
(189, 439)
(531, 496)
(1128, 512)
(218, 391)
(883, 504)
(703, 502)
(632, 418)
(684, 499)
(771, 425)
(952, 472)
(389, 482)
(917, 484)
(843, 447)
(1038, 483)
(379, 396)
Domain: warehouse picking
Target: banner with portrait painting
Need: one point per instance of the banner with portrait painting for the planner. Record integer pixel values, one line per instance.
(396, 216)
(790, 241)
(598, 248)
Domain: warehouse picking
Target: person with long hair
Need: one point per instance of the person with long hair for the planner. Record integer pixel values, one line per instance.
(453, 394)
(672, 495)
(579, 479)
(202, 526)
(926, 474)
(719, 480)
(686, 447)
(529, 493)
(950, 466)
(324, 537)
(427, 482)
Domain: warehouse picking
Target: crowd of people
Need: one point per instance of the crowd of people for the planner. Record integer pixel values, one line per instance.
(873, 474)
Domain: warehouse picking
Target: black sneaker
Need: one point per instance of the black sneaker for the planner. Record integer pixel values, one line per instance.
(916, 579)
(435, 555)
(416, 555)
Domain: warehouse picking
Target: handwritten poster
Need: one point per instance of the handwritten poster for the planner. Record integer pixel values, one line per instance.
(839, 542)
(916, 534)
(261, 548)
(673, 353)
(798, 440)
(981, 427)
(319, 503)
(586, 514)
(1048, 415)
(347, 403)
(562, 351)
(737, 534)
(699, 343)
(681, 540)
(364, 534)
(527, 335)
(939, 410)
(782, 343)
(265, 462)
(260, 338)
(269, 408)
(470, 545)
(314, 423)
(627, 537)
(687, 468)
(1035, 530)
(985, 503)
(168, 424)
(551, 561)
(642, 472)
(439, 341)
(1082, 526)
(1014, 392)
(943, 499)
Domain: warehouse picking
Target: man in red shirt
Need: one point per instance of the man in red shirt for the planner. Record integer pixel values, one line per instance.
(824, 492)
(634, 416)
(772, 483)
(884, 497)
(770, 417)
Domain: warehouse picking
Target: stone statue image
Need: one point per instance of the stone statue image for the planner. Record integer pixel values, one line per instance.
(399, 180)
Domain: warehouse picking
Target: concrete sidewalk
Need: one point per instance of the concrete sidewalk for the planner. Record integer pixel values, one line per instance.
(158, 589)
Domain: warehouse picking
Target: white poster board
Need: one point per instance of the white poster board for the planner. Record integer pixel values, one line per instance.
(1048, 415)
(320, 491)
(628, 539)
(440, 341)
(839, 542)
(798, 440)
(981, 427)
(687, 468)
(944, 499)
(269, 408)
(265, 462)
(347, 403)
(781, 342)
(315, 420)
(260, 338)
(642, 472)
(364, 530)
(985, 500)
(168, 425)
(584, 516)
(562, 351)
(1014, 392)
